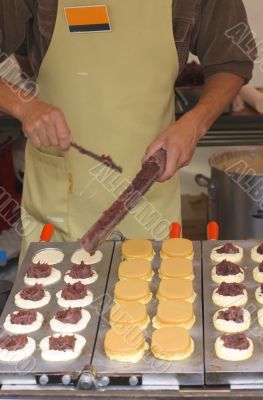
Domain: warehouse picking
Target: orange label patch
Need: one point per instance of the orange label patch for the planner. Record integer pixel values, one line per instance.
(87, 19)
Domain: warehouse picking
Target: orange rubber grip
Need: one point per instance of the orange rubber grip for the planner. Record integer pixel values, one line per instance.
(47, 233)
(175, 230)
(212, 230)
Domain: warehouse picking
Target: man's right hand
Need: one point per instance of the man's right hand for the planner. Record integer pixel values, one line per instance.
(44, 125)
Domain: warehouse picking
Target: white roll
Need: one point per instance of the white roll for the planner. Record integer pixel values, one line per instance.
(253, 97)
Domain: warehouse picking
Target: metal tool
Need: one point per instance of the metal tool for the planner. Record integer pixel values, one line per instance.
(151, 170)
(107, 160)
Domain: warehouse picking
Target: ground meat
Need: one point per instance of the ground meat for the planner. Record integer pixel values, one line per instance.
(34, 293)
(230, 289)
(260, 249)
(74, 292)
(39, 270)
(23, 317)
(80, 271)
(225, 268)
(233, 313)
(69, 316)
(260, 267)
(62, 343)
(228, 248)
(236, 341)
(13, 343)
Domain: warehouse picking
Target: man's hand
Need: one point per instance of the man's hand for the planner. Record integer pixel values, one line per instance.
(44, 125)
(180, 141)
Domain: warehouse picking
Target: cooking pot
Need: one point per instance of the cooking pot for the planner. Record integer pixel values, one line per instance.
(236, 191)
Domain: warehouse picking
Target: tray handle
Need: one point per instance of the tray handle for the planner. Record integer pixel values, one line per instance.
(212, 230)
(175, 230)
(47, 233)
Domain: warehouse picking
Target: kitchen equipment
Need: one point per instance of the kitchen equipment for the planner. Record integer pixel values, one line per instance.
(212, 230)
(95, 371)
(151, 372)
(92, 369)
(220, 372)
(107, 160)
(175, 230)
(47, 233)
(151, 170)
(236, 191)
(36, 370)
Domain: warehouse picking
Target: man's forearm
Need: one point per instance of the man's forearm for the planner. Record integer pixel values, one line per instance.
(11, 99)
(219, 90)
(43, 124)
(180, 139)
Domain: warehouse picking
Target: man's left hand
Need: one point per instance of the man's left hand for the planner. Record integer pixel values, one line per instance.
(181, 138)
(180, 141)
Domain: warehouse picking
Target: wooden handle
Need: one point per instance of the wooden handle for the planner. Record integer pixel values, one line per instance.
(212, 230)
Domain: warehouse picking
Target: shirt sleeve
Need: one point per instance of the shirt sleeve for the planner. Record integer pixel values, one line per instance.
(14, 19)
(222, 38)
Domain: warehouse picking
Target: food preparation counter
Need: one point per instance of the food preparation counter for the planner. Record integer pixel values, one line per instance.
(100, 378)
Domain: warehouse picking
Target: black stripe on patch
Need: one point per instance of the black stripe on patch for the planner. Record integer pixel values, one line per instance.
(90, 28)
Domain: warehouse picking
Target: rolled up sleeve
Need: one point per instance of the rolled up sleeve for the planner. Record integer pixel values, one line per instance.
(15, 16)
(222, 38)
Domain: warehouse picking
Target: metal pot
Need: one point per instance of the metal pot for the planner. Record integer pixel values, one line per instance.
(236, 191)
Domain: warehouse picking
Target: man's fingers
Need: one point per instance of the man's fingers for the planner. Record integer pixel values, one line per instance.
(63, 132)
(46, 125)
(39, 131)
(44, 136)
(52, 134)
(172, 165)
(34, 139)
(152, 149)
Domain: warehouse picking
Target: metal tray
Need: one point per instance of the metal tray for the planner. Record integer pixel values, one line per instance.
(29, 370)
(218, 371)
(151, 371)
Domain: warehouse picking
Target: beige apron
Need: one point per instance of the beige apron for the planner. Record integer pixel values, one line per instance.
(116, 90)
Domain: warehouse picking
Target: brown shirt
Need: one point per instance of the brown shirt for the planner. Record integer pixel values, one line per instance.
(26, 28)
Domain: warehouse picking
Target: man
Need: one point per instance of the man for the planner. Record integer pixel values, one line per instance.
(106, 77)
